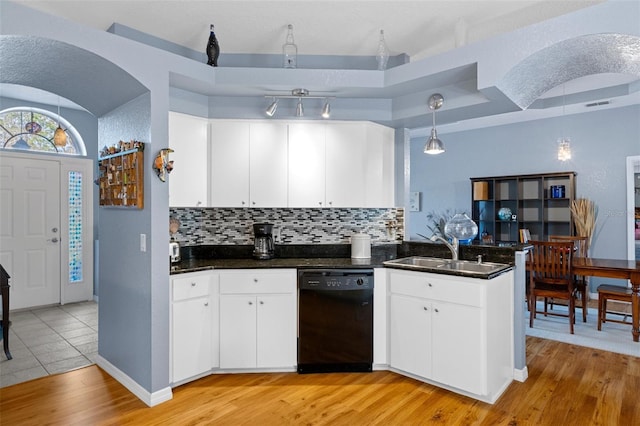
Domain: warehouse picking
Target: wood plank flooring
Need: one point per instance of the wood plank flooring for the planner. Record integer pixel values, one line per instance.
(567, 385)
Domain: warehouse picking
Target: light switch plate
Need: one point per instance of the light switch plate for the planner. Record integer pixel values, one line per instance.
(414, 201)
(143, 242)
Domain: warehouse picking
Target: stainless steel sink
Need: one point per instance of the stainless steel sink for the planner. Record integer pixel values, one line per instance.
(418, 262)
(469, 266)
(458, 267)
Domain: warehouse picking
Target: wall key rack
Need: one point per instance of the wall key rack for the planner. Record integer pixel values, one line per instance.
(121, 179)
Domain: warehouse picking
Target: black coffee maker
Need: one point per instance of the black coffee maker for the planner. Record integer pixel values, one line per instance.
(263, 241)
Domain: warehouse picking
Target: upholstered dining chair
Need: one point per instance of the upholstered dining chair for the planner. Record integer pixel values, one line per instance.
(580, 249)
(551, 275)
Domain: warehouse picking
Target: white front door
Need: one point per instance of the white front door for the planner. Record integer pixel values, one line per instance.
(30, 229)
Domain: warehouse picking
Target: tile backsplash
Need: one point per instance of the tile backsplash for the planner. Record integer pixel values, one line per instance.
(234, 226)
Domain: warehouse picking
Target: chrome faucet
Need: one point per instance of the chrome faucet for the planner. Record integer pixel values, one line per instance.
(452, 247)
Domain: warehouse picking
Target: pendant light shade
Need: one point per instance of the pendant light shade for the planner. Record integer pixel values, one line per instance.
(434, 145)
(59, 136)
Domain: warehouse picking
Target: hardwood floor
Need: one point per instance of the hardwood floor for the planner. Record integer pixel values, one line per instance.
(567, 385)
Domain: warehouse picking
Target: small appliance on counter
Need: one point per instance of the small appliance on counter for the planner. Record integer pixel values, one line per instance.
(174, 251)
(263, 241)
(360, 246)
(174, 246)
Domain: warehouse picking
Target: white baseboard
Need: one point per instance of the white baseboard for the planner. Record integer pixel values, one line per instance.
(521, 375)
(151, 399)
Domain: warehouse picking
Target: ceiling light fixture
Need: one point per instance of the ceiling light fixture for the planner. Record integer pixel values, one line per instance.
(326, 110)
(298, 94)
(59, 136)
(434, 145)
(272, 108)
(564, 143)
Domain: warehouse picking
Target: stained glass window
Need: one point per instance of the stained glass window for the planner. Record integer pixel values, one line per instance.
(75, 227)
(33, 129)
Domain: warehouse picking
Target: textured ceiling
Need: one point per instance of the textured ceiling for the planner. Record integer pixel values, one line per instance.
(416, 28)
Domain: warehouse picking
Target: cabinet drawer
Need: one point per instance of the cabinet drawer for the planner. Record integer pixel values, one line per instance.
(260, 281)
(467, 291)
(188, 287)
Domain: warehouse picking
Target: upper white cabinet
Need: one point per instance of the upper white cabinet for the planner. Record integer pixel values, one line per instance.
(260, 163)
(229, 184)
(340, 164)
(248, 164)
(188, 181)
(307, 165)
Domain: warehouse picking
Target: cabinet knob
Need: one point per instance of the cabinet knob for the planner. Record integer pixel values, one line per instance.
(262, 302)
(193, 284)
(243, 203)
(206, 303)
(255, 280)
(251, 303)
(436, 310)
(319, 203)
(425, 308)
(430, 285)
(253, 203)
(330, 203)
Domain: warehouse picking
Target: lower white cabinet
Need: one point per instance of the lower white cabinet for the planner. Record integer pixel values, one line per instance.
(452, 331)
(194, 327)
(258, 319)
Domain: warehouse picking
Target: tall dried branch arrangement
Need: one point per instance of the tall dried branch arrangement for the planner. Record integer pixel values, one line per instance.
(585, 213)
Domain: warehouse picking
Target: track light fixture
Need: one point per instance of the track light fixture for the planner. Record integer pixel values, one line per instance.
(298, 94)
(271, 109)
(434, 145)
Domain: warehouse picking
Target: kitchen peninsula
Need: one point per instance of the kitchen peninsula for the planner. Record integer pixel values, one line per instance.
(215, 276)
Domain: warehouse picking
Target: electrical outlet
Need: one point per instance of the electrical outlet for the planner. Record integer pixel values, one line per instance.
(414, 201)
(143, 242)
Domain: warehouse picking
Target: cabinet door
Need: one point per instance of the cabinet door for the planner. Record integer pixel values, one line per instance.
(191, 338)
(237, 331)
(188, 181)
(276, 331)
(410, 335)
(379, 166)
(268, 165)
(346, 158)
(306, 165)
(458, 347)
(229, 163)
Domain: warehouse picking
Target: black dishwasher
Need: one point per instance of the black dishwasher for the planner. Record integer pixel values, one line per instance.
(335, 320)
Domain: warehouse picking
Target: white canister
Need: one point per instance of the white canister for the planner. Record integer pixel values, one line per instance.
(360, 246)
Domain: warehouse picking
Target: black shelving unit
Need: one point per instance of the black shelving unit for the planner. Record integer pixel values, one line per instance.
(531, 201)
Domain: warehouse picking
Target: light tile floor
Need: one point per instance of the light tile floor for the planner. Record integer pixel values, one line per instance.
(50, 340)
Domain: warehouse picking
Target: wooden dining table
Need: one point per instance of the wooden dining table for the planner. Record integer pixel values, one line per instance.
(615, 268)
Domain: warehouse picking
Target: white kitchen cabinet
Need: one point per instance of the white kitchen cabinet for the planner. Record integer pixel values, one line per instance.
(258, 319)
(248, 164)
(340, 164)
(410, 335)
(456, 332)
(307, 165)
(229, 163)
(268, 164)
(345, 165)
(194, 325)
(189, 141)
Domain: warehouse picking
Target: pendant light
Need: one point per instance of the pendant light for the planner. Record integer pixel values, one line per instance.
(434, 145)
(59, 136)
(564, 143)
(299, 108)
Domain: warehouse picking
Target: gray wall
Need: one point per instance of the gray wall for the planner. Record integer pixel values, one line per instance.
(601, 141)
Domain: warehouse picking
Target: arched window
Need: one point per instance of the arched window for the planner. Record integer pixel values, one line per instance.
(33, 129)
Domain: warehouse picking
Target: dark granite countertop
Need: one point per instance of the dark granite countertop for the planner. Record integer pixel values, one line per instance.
(200, 258)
